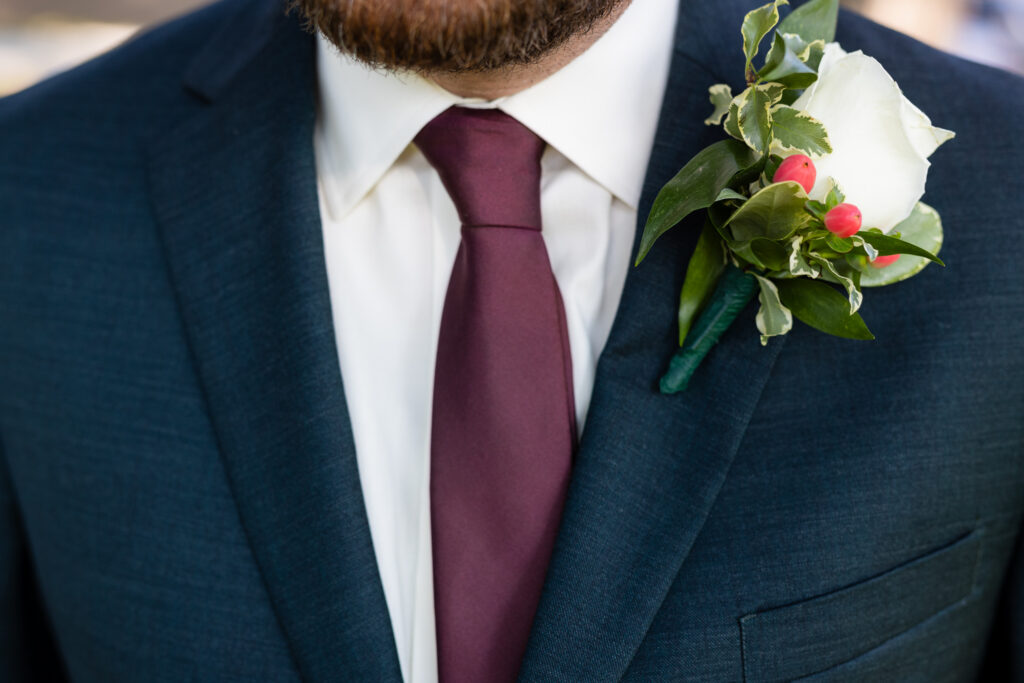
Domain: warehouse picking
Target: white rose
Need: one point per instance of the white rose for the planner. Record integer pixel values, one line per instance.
(880, 141)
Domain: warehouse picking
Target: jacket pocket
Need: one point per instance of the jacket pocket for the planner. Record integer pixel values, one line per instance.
(812, 635)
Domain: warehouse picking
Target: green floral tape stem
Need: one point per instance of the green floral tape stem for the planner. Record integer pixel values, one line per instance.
(734, 291)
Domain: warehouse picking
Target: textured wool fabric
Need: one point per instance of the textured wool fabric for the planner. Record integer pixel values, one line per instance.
(179, 478)
(504, 418)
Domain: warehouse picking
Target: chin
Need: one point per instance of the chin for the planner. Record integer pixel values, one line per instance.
(452, 36)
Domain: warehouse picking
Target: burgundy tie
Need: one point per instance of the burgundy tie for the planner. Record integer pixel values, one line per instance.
(503, 421)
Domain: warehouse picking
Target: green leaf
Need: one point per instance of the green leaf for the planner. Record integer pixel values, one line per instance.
(695, 187)
(776, 212)
(702, 274)
(762, 254)
(813, 54)
(755, 114)
(814, 20)
(887, 245)
(743, 252)
(729, 193)
(772, 166)
(923, 228)
(816, 234)
(721, 98)
(817, 209)
(756, 26)
(784, 64)
(869, 251)
(855, 275)
(839, 244)
(798, 131)
(719, 214)
(810, 53)
(773, 319)
(835, 196)
(750, 174)
(778, 52)
(790, 97)
(829, 272)
(732, 121)
(822, 307)
(774, 255)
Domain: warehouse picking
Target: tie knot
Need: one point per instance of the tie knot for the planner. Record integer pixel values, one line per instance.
(489, 164)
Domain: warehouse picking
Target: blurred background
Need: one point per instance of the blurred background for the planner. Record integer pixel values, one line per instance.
(42, 37)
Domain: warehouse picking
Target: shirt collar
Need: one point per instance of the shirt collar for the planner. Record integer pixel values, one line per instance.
(600, 110)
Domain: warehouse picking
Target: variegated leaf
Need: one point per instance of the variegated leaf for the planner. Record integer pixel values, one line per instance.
(755, 114)
(798, 265)
(773, 319)
(797, 131)
(721, 98)
(853, 293)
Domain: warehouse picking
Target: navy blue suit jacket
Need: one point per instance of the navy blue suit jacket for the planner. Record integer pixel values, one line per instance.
(179, 497)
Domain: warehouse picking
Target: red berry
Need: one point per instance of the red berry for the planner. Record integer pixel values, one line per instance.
(883, 261)
(798, 168)
(844, 220)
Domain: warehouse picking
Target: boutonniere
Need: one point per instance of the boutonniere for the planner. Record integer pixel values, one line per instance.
(812, 195)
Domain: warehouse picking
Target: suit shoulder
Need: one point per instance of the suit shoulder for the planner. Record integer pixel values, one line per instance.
(130, 83)
(927, 73)
(72, 146)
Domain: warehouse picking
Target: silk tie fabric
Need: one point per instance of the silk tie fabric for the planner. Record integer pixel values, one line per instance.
(503, 428)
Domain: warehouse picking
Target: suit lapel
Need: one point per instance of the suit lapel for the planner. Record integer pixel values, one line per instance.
(649, 466)
(234, 186)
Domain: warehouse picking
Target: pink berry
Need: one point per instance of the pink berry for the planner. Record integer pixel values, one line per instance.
(844, 220)
(798, 168)
(883, 261)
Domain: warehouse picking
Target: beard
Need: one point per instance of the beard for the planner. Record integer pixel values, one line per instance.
(451, 36)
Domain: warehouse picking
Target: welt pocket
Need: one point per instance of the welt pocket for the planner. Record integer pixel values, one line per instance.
(812, 635)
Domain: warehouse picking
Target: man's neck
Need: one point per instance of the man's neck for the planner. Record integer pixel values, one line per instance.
(490, 85)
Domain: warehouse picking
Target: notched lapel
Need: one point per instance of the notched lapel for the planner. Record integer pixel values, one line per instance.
(234, 189)
(650, 466)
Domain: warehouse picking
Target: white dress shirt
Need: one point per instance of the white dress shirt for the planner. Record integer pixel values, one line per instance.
(391, 234)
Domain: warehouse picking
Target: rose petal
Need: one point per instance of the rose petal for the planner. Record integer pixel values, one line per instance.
(881, 141)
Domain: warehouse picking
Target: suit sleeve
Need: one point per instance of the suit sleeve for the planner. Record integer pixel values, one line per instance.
(27, 649)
